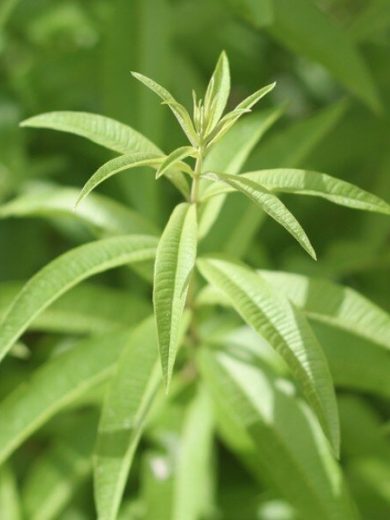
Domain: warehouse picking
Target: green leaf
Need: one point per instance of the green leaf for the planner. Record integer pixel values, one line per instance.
(85, 309)
(229, 155)
(270, 203)
(305, 182)
(308, 31)
(217, 93)
(58, 383)
(103, 131)
(9, 496)
(285, 328)
(175, 259)
(98, 212)
(65, 272)
(285, 440)
(193, 486)
(99, 129)
(117, 165)
(232, 117)
(124, 411)
(178, 110)
(328, 302)
(174, 157)
(315, 184)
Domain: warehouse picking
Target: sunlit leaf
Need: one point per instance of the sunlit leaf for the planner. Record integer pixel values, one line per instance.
(175, 260)
(285, 328)
(65, 272)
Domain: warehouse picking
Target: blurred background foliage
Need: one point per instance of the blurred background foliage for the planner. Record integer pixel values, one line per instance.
(330, 59)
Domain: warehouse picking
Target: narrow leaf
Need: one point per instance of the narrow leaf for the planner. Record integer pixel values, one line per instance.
(175, 260)
(128, 399)
(339, 306)
(65, 272)
(174, 157)
(117, 165)
(232, 117)
(304, 182)
(285, 328)
(178, 110)
(282, 439)
(271, 204)
(55, 385)
(218, 90)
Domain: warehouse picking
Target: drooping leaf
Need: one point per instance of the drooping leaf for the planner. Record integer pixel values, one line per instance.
(174, 157)
(218, 90)
(175, 259)
(85, 309)
(285, 328)
(55, 385)
(117, 165)
(178, 110)
(339, 306)
(308, 31)
(104, 131)
(98, 212)
(129, 397)
(64, 273)
(283, 439)
(193, 486)
(270, 203)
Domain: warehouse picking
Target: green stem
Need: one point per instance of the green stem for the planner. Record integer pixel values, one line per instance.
(197, 174)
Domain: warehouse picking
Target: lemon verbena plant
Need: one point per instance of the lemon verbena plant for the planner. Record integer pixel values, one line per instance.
(235, 344)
